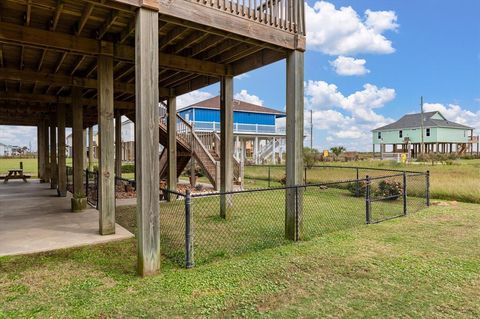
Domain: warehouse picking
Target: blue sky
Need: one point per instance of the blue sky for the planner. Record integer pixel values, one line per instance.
(367, 63)
(434, 51)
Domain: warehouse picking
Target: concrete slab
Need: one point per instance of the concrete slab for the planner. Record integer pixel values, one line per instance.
(33, 219)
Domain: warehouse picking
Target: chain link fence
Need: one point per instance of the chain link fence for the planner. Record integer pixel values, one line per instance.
(199, 228)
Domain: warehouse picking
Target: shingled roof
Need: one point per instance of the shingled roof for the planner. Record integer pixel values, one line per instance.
(415, 121)
(239, 106)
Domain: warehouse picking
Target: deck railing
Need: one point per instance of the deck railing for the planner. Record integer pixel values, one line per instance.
(287, 15)
(202, 126)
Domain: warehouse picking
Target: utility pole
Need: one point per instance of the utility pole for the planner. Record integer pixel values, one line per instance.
(311, 129)
(422, 145)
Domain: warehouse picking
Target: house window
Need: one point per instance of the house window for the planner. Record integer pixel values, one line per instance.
(428, 132)
(400, 134)
(379, 135)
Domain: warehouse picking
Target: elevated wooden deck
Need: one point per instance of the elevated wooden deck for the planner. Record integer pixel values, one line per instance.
(48, 46)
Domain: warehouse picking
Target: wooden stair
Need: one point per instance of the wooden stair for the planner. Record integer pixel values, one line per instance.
(190, 144)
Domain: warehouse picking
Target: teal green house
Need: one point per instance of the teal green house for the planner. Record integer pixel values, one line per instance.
(439, 136)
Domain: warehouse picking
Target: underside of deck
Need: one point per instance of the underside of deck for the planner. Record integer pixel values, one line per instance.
(47, 46)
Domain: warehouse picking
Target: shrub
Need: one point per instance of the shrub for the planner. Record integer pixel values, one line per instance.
(128, 168)
(389, 188)
(362, 188)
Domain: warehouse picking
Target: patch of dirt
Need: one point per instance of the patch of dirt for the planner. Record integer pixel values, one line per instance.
(445, 203)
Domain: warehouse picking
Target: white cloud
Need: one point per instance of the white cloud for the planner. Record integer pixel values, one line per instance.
(192, 97)
(381, 21)
(456, 113)
(18, 135)
(249, 98)
(348, 66)
(344, 32)
(345, 120)
(242, 76)
(322, 95)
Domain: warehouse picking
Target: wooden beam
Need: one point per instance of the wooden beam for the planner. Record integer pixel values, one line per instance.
(147, 139)
(112, 18)
(127, 32)
(77, 142)
(42, 98)
(172, 144)
(53, 151)
(28, 13)
(89, 47)
(41, 150)
(226, 145)
(87, 11)
(221, 23)
(42, 58)
(60, 62)
(106, 169)
(46, 153)
(62, 168)
(56, 16)
(294, 144)
(118, 144)
(77, 65)
(58, 79)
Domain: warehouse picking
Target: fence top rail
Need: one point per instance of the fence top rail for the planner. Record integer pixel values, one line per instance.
(349, 167)
(173, 192)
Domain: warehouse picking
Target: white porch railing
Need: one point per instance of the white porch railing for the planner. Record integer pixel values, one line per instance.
(237, 127)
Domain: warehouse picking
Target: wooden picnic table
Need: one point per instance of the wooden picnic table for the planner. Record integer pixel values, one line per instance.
(16, 174)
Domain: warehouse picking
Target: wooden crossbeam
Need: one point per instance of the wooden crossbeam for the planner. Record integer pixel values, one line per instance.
(87, 11)
(60, 62)
(127, 32)
(77, 65)
(42, 98)
(56, 16)
(112, 18)
(28, 13)
(70, 44)
(42, 58)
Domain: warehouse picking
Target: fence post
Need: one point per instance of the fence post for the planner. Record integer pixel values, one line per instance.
(188, 231)
(368, 208)
(305, 177)
(357, 186)
(86, 183)
(96, 189)
(427, 181)
(404, 193)
(269, 177)
(296, 214)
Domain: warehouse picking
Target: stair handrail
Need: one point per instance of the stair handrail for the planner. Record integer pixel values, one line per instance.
(236, 163)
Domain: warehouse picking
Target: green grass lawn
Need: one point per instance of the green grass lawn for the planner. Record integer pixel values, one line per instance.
(257, 220)
(460, 181)
(423, 266)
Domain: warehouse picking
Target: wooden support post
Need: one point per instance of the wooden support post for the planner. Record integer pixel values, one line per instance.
(62, 165)
(46, 153)
(79, 200)
(146, 135)
(90, 148)
(118, 144)
(255, 151)
(226, 145)
(172, 144)
(294, 165)
(53, 152)
(41, 151)
(106, 167)
(85, 155)
(273, 151)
